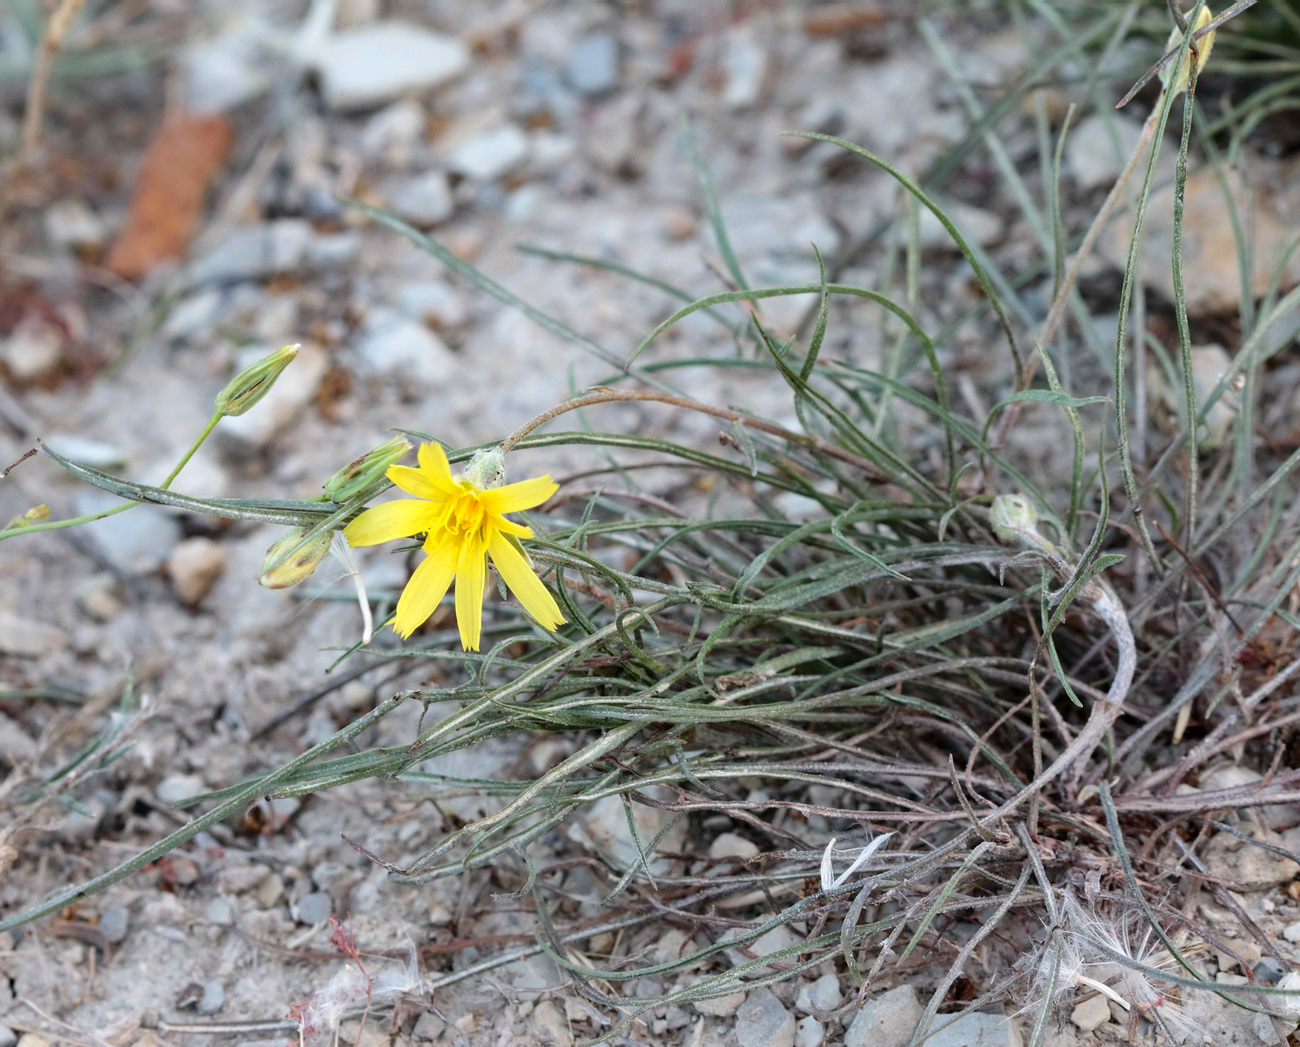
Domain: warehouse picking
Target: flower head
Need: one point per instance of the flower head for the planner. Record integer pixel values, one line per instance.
(464, 525)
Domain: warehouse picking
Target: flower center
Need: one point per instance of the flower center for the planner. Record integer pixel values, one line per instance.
(462, 517)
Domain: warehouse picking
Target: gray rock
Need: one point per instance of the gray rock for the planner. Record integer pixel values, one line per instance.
(253, 252)
(291, 394)
(782, 226)
(377, 63)
(113, 924)
(177, 787)
(33, 349)
(977, 226)
(433, 302)
(721, 1006)
(592, 68)
(887, 1021)
(221, 912)
(603, 825)
(333, 250)
(777, 939)
(313, 908)
(976, 1030)
(809, 1032)
(822, 995)
(763, 1021)
(397, 346)
(7, 1036)
(136, 539)
(23, 636)
(428, 1028)
(549, 1026)
(487, 156)
(1098, 148)
(213, 998)
(423, 200)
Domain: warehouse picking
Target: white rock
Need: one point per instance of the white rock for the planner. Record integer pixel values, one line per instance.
(976, 1029)
(731, 845)
(822, 995)
(592, 68)
(252, 252)
(763, 1021)
(393, 133)
(423, 200)
(1092, 1013)
(550, 1026)
(776, 940)
(604, 825)
(72, 223)
(721, 1006)
(177, 787)
(396, 346)
(1098, 148)
(96, 595)
(33, 349)
(784, 226)
(487, 156)
(333, 250)
(194, 567)
(433, 302)
(280, 407)
(226, 70)
(809, 1032)
(887, 1021)
(1291, 932)
(744, 63)
(374, 64)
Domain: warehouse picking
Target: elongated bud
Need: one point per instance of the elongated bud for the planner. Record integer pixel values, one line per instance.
(487, 468)
(254, 381)
(1013, 517)
(1198, 52)
(291, 559)
(362, 472)
(36, 514)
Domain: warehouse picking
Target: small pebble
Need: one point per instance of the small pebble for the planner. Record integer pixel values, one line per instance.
(809, 1032)
(593, 65)
(822, 995)
(33, 350)
(763, 1021)
(113, 924)
(7, 1036)
(1092, 1013)
(194, 566)
(731, 845)
(720, 1007)
(220, 912)
(1291, 932)
(30, 1039)
(887, 1021)
(489, 155)
(313, 908)
(269, 891)
(213, 998)
(177, 787)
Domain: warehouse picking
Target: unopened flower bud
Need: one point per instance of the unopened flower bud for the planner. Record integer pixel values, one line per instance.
(254, 381)
(292, 559)
(1013, 517)
(487, 468)
(361, 473)
(1174, 78)
(36, 514)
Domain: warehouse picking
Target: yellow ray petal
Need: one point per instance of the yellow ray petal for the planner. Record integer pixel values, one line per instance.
(526, 586)
(383, 523)
(500, 523)
(420, 483)
(470, 582)
(522, 495)
(423, 593)
(433, 460)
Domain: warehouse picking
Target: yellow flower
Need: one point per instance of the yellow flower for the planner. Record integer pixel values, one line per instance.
(464, 524)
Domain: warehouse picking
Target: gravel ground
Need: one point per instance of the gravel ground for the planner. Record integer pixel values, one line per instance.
(562, 126)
